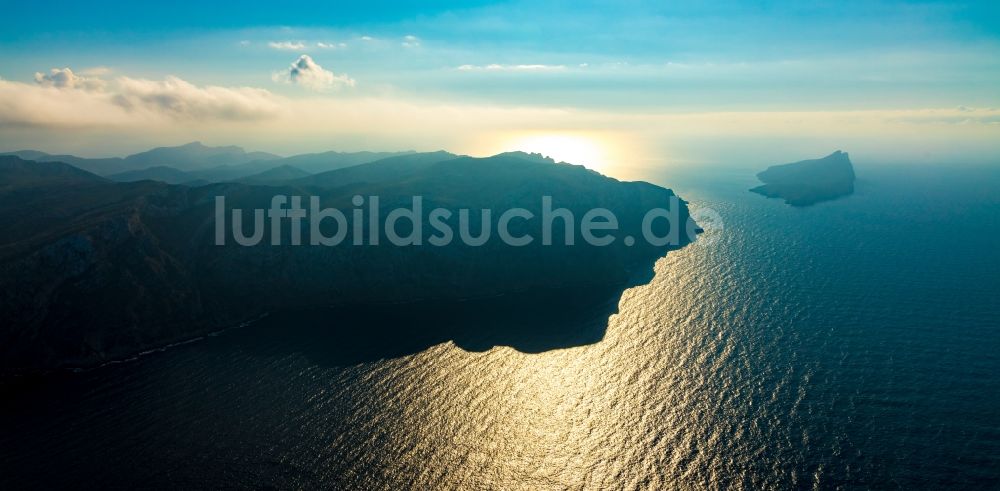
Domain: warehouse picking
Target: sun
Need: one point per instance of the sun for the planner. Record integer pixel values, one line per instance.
(574, 149)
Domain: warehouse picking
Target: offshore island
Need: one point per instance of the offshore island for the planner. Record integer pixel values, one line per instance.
(808, 182)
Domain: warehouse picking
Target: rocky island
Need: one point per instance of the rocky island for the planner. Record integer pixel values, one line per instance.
(93, 270)
(809, 181)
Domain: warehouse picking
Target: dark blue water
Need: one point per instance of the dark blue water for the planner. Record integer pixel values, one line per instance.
(852, 344)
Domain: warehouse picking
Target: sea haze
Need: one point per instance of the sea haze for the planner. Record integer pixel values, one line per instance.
(851, 343)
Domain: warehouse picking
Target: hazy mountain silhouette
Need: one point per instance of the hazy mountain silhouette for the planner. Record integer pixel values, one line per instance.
(187, 157)
(306, 163)
(275, 176)
(197, 164)
(195, 156)
(19, 174)
(315, 163)
(809, 181)
(386, 169)
(249, 173)
(99, 166)
(160, 173)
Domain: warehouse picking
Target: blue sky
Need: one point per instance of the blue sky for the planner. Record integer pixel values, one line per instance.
(880, 75)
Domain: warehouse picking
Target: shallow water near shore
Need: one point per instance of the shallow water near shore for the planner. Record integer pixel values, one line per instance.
(851, 343)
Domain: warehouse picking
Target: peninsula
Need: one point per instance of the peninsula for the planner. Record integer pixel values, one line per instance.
(93, 270)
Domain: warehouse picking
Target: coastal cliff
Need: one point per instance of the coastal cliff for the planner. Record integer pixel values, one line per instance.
(93, 270)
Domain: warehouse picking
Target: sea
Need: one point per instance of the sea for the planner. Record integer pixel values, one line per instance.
(853, 344)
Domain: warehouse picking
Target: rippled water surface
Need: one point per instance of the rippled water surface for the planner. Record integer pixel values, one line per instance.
(850, 344)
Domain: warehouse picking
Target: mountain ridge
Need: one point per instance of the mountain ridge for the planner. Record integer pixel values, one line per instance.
(198, 163)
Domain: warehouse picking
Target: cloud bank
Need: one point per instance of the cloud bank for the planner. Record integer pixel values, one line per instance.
(128, 113)
(183, 100)
(64, 78)
(62, 98)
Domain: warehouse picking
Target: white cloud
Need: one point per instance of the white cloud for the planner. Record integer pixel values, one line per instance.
(126, 102)
(309, 74)
(367, 38)
(35, 116)
(184, 100)
(331, 45)
(64, 78)
(494, 67)
(96, 71)
(411, 42)
(287, 45)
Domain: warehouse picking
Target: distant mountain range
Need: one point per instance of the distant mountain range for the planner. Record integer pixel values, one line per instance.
(198, 164)
(93, 270)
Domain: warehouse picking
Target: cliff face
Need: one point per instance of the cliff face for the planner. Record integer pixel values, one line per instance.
(809, 181)
(93, 270)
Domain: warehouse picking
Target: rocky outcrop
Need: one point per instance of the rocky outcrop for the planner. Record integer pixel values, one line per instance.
(809, 181)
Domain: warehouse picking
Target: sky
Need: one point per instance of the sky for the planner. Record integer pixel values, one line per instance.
(608, 83)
